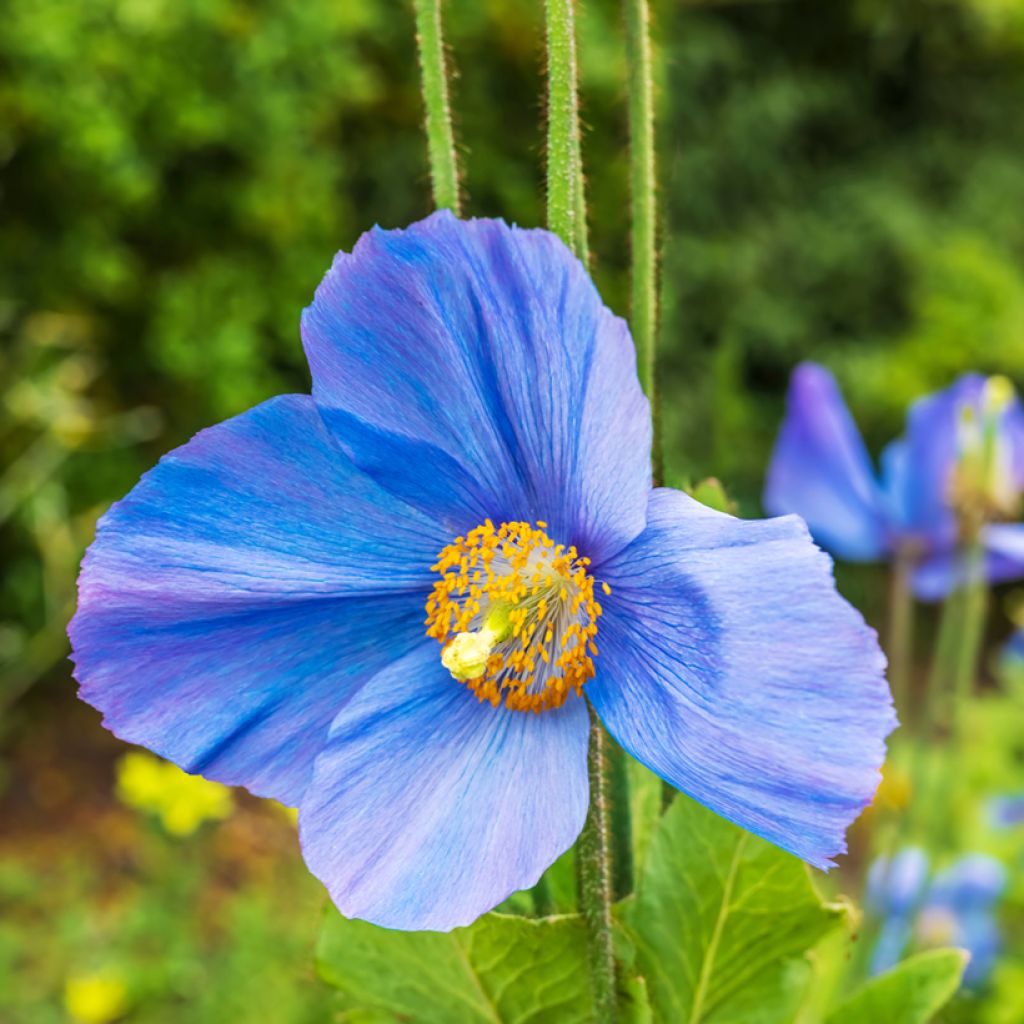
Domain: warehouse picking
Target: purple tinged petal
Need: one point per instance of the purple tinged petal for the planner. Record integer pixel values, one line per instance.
(1007, 811)
(731, 667)
(931, 447)
(938, 574)
(241, 592)
(821, 471)
(975, 881)
(428, 808)
(472, 369)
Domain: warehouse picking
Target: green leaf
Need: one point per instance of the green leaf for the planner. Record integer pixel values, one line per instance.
(721, 921)
(501, 969)
(911, 993)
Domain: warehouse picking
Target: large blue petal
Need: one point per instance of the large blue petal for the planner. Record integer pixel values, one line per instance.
(731, 667)
(472, 369)
(233, 601)
(428, 808)
(820, 470)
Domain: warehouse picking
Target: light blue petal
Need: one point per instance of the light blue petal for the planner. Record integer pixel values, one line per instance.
(428, 808)
(920, 479)
(930, 450)
(980, 935)
(974, 882)
(896, 885)
(472, 369)
(821, 471)
(234, 600)
(731, 667)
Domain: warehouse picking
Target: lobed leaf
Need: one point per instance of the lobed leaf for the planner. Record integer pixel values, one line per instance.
(721, 922)
(500, 970)
(911, 993)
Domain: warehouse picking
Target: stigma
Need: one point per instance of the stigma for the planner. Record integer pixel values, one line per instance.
(515, 615)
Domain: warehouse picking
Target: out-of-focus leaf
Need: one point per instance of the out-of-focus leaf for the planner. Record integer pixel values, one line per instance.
(511, 970)
(911, 993)
(721, 921)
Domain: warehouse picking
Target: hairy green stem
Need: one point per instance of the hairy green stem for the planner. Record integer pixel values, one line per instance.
(566, 202)
(594, 881)
(567, 218)
(444, 173)
(643, 232)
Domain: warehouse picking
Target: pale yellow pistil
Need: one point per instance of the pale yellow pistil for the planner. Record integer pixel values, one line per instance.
(516, 616)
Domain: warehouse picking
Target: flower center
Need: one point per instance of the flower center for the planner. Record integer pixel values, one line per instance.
(516, 616)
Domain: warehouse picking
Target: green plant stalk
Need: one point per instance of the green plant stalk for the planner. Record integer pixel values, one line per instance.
(975, 608)
(594, 881)
(567, 219)
(949, 686)
(444, 172)
(566, 202)
(643, 230)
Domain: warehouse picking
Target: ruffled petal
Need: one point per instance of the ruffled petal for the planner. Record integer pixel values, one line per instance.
(821, 471)
(731, 667)
(428, 808)
(240, 593)
(471, 368)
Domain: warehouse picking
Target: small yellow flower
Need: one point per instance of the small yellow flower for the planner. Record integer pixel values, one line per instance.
(95, 998)
(182, 802)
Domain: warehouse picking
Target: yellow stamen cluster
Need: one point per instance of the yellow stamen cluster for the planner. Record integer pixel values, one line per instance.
(512, 590)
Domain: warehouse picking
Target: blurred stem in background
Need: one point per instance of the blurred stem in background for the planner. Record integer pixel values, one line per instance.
(444, 172)
(950, 682)
(901, 634)
(567, 218)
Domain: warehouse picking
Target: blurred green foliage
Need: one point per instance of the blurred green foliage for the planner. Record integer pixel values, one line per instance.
(838, 183)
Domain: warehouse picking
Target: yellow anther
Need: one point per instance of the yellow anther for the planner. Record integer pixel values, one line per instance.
(508, 601)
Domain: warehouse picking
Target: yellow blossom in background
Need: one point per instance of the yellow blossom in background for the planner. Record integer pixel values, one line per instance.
(95, 998)
(894, 791)
(181, 801)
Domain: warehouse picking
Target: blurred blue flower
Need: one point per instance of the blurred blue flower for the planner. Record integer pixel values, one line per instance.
(1013, 649)
(821, 470)
(1006, 811)
(381, 603)
(955, 908)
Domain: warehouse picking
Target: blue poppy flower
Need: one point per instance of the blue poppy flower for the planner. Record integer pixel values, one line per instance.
(955, 908)
(384, 602)
(820, 469)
